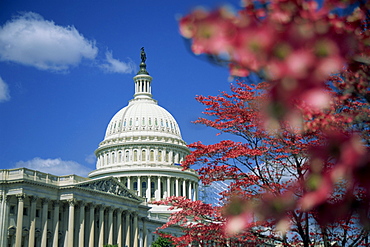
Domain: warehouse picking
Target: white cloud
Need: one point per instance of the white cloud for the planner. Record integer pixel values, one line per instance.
(30, 40)
(57, 166)
(4, 91)
(116, 66)
(91, 158)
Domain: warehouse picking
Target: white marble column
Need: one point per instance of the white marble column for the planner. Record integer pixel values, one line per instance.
(91, 224)
(119, 227)
(168, 186)
(6, 220)
(128, 229)
(128, 183)
(71, 221)
(184, 188)
(145, 233)
(44, 238)
(149, 190)
(81, 233)
(19, 229)
(101, 225)
(138, 185)
(136, 231)
(110, 225)
(196, 191)
(189, 191)
(31, 234)
(55, 223)
(159, 189)
(177, 187)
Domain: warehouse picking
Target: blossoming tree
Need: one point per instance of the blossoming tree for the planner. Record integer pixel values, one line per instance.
(300, 172)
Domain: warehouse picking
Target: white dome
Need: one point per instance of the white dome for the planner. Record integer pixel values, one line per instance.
(142, 117)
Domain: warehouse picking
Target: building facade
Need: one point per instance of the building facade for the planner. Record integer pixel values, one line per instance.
(137, 163)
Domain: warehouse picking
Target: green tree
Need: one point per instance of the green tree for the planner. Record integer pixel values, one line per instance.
(162, 242)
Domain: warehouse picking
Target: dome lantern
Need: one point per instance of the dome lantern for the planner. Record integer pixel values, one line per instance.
(143, 80)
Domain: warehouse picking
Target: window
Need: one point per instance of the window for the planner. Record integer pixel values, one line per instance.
(49, 215)
(25, 211)
(160, 155)
(37, 212)
(143, 155)
(135, 155)
(151, 155)
(127, 156)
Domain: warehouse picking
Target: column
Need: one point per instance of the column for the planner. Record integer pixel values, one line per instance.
(145, 233)
(119, 227)
(139, 186)
(81, 233)
(189, 191)
(44, 238)
(196, 191)
(110, 225)
(184, 188)
(31, 234)
(168, 186)
(71, 221)
(18, 233)
(128, 183)
(158, 194)
(136, 231)
(149, 189)
(55, 223)
(101, 225)
(6, 220)
(91, 224)
(128, 229)
(177, 187)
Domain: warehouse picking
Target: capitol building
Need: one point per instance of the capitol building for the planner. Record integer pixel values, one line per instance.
(137, 163)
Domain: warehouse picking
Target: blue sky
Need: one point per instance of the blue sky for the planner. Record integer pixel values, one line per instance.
(66, 68)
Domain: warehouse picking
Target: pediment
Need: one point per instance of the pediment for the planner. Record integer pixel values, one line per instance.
(110, 185)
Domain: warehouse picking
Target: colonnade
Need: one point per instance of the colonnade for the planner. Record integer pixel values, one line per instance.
(51, 223)
(156, 188)
(139, 155)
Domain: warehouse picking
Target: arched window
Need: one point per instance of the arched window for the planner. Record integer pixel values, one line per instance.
(156, 122)
(143, 123)
(167, 156)
(119, 158)
(150, 121)
(130, 121)
(135, 155)
(143, 155)
(137, 122)
(127, 155)
(113, 157)
(151, 155)
(160, 155)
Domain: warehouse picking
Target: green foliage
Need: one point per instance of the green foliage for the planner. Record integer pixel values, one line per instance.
(162, 242)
